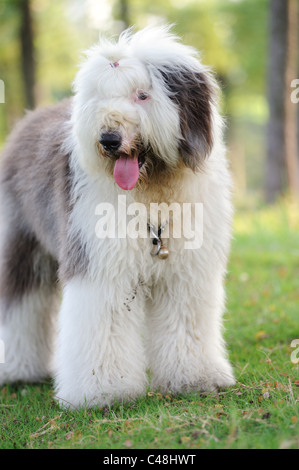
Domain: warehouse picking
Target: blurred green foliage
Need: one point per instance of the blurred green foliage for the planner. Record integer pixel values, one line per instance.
(231, 34)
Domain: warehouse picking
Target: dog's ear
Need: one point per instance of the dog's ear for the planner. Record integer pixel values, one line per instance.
(194, 93)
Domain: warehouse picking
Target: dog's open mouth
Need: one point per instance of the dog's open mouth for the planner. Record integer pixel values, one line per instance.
(126, 171)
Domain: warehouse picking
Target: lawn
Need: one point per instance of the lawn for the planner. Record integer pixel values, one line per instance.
(260, 411)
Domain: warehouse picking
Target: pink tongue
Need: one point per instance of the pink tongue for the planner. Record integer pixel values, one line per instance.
(126, 172)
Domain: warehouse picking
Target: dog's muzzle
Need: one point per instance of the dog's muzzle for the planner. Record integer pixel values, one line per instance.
(111, 141)
(127, 161)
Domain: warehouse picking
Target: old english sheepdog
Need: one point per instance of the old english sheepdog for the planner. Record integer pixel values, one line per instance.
(141, 130)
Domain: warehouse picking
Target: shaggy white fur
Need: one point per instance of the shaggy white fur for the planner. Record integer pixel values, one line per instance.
(125, 311)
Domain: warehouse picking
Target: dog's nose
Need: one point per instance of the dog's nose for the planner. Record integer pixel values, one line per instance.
(111, 141)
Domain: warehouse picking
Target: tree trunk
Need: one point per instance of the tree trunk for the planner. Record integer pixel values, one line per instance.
(124, 13)
(292, 161)
(27, 52)
(275, 162)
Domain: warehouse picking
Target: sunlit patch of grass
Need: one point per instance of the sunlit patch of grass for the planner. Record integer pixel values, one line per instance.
(282, 218)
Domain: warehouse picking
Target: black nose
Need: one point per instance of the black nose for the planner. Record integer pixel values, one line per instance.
(111, 141)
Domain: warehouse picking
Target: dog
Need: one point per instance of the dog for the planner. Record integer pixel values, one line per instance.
(143, 128)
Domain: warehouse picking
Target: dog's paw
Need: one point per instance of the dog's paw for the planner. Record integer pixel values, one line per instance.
(101, 400)
(210, 379)
(219, 376)
(222, 380)
(96, 393)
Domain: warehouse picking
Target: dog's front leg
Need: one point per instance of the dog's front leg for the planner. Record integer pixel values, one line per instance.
(185, 347)
(100, 356)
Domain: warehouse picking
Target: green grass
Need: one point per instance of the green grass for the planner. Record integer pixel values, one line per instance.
(260, 411)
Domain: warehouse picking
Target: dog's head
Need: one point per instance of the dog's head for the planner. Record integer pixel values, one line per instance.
(143, 106)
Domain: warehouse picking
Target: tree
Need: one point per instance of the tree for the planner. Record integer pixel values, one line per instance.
(27, 52)
(291, 117)
(275, 161)
(122, 13)
(282, 153)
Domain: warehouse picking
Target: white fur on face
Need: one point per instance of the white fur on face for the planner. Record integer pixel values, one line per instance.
(106, 97)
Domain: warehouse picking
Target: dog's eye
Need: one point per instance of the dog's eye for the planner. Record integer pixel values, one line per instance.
(142, 95)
